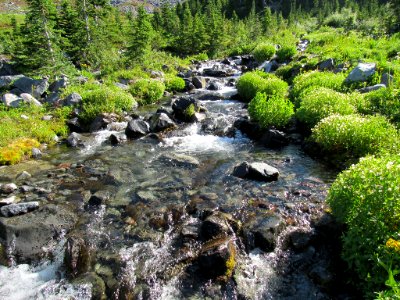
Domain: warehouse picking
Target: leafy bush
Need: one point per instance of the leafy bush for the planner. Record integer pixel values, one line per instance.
(365, 198)
(264, 51)
(270, 110)
(345, 19)
(250, 83)
(307, 81)
(385, 102)
(174, 83)
(356, 136)
(321, 103)
(286, 52)
(98, 99)
(147, 91)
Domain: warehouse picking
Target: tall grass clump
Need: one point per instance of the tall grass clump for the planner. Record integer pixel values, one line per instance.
(308, 81)
(354, 136)
(174, 83)
(270, 110)
(321, 103)
(251, 83)
(365, 198)
(147, 91)
(98, 99)
(264, 51)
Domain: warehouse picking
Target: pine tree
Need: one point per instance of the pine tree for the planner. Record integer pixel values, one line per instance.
(39, 47)
(267, 20)
(141, 36)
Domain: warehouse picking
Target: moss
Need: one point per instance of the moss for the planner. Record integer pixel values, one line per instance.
(190, 111)
(231, 261)
(3, 256)
(17, 151)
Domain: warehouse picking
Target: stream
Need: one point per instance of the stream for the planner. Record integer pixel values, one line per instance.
(153, 217)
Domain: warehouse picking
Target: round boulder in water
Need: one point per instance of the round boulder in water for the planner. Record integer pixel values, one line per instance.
(137, 128)
(256, 171)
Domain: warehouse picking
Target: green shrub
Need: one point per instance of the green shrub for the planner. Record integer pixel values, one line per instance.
(385, 102)
(98, 99)
(321, 103)
(264, 51)
(286, 52)
(345, 19)
(147, 91)
(366, 199)
(270, 110)
(174, 83)
(250, 83)
(308, 81)
(354, 136)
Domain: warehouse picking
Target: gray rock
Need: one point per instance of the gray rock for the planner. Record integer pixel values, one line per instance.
(122, 86)
(23, 176)
(181, 105)
(57, 85)
(102, 121)
(6, 68)
(27, 98)
(180, 160)
(76, 140)
(9, 200)
(387, 79)
(257, 171)
(72, 99)
(78, 256)
(9, 188)
(99, 198)
(328, 64)
(215, 72)
(214, 226)
(34, 235)
(16, 209)
(160, 122)
(6, 81)
(137, 128)
(118, 138)
(53, 99)
(156, 74)
(199, 82)
(11, 100)
(36, 153)
(74, 125)
(31, 86)
(214, 86)
(361, 73)
(372, 88)
(273, 138)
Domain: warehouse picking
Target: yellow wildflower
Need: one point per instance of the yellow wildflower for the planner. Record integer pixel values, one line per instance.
(393, 245)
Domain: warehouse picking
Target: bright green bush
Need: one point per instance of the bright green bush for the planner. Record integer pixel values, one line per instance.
(345, 19)
(286, 52)
(98, 99)
(356, 136)
(174, 83)
(308, 81)
(385, 102)
(321, 103)
(264, 51)
(252, 82)
(366, 199)
(147, 91)
(270, 110)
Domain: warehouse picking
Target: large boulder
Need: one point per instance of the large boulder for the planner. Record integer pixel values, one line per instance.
(6, 81)
(72, 99)
(11, 100)
(185, 108)
(137, 128)
(57, 85)
(256, 171)
(361, 73)
(34, 235)
(160, 122)
(28, 98)
(31, 86)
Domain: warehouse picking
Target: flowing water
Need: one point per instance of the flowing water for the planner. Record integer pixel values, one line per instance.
(152, 184)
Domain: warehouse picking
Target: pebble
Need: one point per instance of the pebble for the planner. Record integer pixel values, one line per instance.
(9, 188)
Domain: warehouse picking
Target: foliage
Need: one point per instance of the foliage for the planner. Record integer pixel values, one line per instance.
(286, 52)
(24, 128)
(270, 110)
(365, 198)
(97, 99)
(147, 91)
(356, 136)
(385, 102)
(252, 82)
(311, 80)
(322, 102)
(345, 19)
(174, 83)
(264, 51)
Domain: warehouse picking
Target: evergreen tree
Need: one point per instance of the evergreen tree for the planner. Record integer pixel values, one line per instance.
(141, 35)
(39, 40)
(267, 20)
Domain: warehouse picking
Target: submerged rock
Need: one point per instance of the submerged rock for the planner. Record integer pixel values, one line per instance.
(78, 256)
(35, 234)
(257, 171)
(180, 160)
(16, 209)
